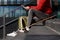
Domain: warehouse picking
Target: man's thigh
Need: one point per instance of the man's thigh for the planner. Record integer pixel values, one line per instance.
(39, 14)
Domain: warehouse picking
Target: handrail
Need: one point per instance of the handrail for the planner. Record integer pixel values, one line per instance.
(7, 13)
(4, 24)
(9, 22)
(10, 11)
(32, 24)
(43, 20)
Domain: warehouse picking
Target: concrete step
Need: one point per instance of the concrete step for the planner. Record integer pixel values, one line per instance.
(36, 33)
(55, 24)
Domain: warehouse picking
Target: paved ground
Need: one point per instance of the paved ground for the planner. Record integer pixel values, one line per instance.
(36, 33)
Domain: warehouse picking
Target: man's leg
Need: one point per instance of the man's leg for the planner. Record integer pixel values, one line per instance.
(40, 14)
(29, 19)
(31, 13)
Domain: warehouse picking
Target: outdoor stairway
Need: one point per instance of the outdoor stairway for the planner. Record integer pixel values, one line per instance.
(36, 33)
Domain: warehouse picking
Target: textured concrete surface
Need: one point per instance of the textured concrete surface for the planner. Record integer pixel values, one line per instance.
(36, 33)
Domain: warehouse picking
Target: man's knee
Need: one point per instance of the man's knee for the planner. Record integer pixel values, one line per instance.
(30, 11)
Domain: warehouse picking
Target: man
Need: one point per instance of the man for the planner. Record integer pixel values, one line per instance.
(41, 10)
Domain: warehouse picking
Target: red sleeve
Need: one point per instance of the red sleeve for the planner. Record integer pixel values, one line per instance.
(39, 4)
(49, 11)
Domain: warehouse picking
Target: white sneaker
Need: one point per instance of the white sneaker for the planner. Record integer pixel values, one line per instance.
(21, 31)
(27, 28)
(13, 34)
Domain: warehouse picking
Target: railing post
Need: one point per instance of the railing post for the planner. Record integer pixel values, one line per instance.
(3, 24)
(4, 27)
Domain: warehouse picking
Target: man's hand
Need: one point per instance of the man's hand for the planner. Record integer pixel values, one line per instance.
(27, 7)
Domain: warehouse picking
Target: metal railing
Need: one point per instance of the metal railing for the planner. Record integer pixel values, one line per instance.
(4, 23)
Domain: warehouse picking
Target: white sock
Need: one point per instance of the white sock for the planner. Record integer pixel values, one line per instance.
(21, 30)
(27, 28)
